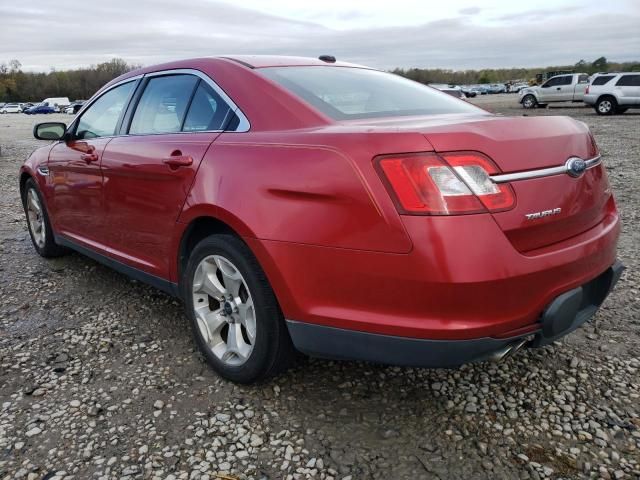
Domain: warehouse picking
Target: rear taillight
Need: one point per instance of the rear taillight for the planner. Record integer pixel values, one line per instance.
(587, 90)
(446, 184)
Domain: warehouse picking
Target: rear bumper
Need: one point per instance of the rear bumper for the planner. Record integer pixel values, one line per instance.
(564, 314)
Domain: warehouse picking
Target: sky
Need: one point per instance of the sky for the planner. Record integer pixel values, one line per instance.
(455, 34)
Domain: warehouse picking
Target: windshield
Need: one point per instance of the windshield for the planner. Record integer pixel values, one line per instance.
(344, 93)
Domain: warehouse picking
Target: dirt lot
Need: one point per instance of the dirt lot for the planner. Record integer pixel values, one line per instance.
(99, 377)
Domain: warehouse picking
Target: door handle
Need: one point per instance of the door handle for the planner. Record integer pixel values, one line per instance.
(89, 157)
(558, 88)
(178, 160)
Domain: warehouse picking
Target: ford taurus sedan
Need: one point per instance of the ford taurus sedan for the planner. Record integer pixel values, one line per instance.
(329, 208)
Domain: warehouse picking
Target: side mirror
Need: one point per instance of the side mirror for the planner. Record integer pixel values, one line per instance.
(49, 130)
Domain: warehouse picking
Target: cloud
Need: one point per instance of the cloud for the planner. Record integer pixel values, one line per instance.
(44, 34)
(470, 11)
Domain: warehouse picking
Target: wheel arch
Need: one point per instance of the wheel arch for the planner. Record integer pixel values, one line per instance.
(24, 178)
(198, 229)
(606, 95)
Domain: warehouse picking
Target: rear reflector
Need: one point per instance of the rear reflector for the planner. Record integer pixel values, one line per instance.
(447, 184)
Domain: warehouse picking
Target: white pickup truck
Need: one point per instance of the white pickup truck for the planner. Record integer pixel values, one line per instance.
(561, 88)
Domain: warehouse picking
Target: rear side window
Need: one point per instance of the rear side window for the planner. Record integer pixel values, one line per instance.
(565, 80)
(349, 93)
(163, 104)
(629, 81)
(207, 111)
(101, 118)
(602, 79)
(583, 79)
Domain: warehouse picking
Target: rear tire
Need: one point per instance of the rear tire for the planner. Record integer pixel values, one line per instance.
(529, 101)
(606, 106)
(234, 314)
(38, 222)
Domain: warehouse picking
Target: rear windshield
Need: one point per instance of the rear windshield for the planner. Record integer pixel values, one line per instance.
(344, 93)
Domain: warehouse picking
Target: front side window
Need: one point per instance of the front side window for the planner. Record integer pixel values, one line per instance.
(344, 93)
(208, 112)
(629, 81)
(101, 118)
(163, 104)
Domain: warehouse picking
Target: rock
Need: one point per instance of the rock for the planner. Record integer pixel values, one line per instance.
(34, 431)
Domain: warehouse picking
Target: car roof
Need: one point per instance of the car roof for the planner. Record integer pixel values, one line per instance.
(262, 61)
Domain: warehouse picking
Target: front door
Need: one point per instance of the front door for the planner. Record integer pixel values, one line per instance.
(75, 193)
(149, 172)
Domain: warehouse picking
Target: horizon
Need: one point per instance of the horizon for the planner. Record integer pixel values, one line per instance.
(406, 34)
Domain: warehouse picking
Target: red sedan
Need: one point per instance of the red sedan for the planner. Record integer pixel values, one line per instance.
(313, 205)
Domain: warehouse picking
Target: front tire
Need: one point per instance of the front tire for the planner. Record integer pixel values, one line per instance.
(235, 317)
(529, 101)
(39, 223)
(606, 106)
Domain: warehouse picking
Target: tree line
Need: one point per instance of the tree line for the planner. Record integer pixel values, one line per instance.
(502, 75)
(80, 84)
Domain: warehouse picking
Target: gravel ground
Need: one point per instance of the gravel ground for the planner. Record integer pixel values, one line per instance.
(99, 377)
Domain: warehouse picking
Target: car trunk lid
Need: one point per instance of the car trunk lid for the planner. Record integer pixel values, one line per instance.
(552, 207)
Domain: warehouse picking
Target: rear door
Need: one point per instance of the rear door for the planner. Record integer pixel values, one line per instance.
(627, 89)
(148, 172)
(75, 195)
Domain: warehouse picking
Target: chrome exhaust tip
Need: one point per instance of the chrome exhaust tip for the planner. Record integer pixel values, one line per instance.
(507, 351)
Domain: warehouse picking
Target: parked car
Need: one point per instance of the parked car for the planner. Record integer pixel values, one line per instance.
(452, 90)
(74, 107)
(468, 91)
(561, 88)
(611, 93)
(345, 212)
(58, 103)
(497, 88)
(11, 108)
(516, 87)
(39, 109)
(480, 89)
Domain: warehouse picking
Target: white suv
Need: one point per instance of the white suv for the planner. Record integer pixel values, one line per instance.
(11, 108)
(610, 93)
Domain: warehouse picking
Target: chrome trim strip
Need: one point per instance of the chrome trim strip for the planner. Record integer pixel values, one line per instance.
(543, 172)
(243, 125)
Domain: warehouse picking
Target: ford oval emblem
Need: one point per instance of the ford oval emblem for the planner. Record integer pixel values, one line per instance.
(576, 166)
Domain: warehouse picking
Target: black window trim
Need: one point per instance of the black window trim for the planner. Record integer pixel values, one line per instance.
(243, 124)
(141, 80)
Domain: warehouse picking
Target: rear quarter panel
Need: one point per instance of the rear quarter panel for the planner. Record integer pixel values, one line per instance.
(311, 187)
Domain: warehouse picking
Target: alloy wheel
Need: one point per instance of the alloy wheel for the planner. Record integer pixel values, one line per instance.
(605, 106)
(224, 310)
(35, 218)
